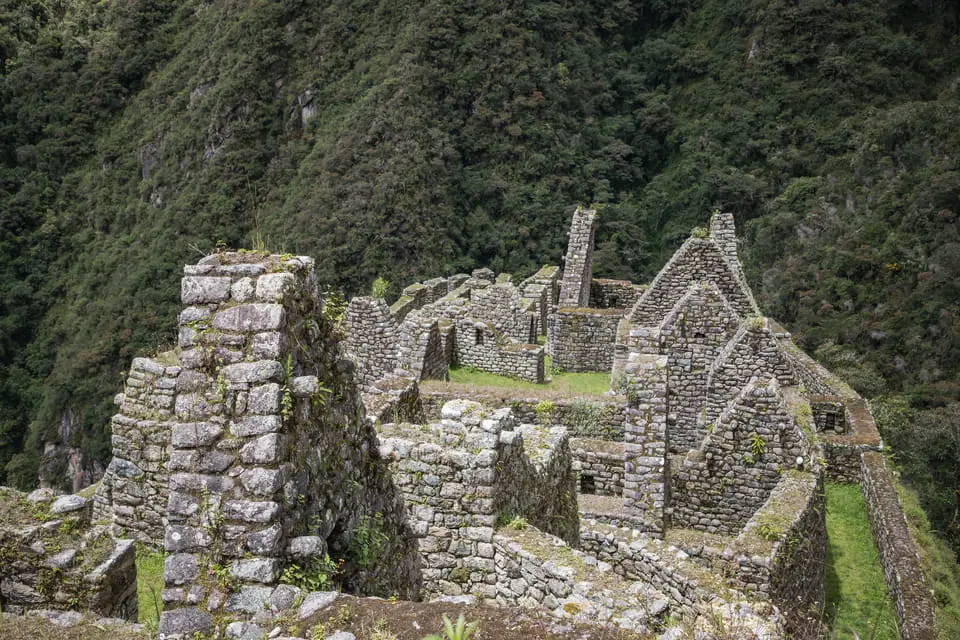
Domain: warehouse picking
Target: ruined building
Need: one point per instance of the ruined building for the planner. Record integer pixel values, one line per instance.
(286, 433)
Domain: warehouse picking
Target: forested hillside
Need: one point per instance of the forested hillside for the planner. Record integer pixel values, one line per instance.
(414, 139)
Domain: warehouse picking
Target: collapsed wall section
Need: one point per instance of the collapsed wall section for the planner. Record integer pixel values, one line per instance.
(578, 264)
(54, 560)
(463, 474)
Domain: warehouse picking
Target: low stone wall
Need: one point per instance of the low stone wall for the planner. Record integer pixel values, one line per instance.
(829, 414)
(911, 595)
(597, 417)
(582, 339)
(614, 294)
(599, 464)
(479, 345)
(537, 570)
(133, 492)
(51, 560)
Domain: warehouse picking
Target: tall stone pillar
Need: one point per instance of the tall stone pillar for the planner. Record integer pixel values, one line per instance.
(578, 265)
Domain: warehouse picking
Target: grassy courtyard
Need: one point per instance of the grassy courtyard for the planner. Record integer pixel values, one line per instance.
(573, 384)
(857, 600)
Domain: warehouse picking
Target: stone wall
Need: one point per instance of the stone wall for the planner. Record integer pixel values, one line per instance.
(542, 289)
(372, 339)
(595, 417)
(912, 597)
(600, 466)
(693, 335)
(502, 306)
(421, 349)
(133, 492)
(582, 339)
(52, 559)
(614, 294)
(843, 452)
(729, 477)
(646, 483)
(537, 570)
(271, 458)
(461, 475)
(478, 344)
(578, 263)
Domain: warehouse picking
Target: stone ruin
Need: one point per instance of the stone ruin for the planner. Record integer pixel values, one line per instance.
(285, 438)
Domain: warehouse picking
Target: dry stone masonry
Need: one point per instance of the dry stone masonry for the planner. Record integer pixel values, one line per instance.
(283, 445)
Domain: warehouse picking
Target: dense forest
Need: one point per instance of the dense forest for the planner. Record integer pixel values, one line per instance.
(415, 139)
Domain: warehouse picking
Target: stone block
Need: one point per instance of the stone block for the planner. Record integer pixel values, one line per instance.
(204, 289)
(272, 286)
(195, 434)
(253, 372)
(255, 426)
(263, 450)
(251, 318)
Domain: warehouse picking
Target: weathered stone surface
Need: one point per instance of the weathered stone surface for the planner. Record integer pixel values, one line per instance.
(316, 601)
(253, 372)
(195, 434)
(264, 400)
(265, 542)
(178, 538)
(304, 547)
(263, 450)
(62, 560)
(262, 482)
(67, 504)
(283, 597)
(249, 599)
(272, 286)
(204, 289)
(255, 426)
(250, 511)
(180, 568)
(184, 622)
(250, 317)
(264, 570)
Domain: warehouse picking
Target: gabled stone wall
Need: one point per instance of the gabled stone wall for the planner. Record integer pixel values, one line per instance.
(729, 477)
(699, 259)
(752, 352)
(693, 335)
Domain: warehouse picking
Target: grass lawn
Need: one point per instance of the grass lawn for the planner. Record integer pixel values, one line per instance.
(857, 599)
(567, 383)
(149, 585)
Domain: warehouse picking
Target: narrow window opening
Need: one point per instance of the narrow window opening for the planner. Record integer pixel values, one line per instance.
(588, 484)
